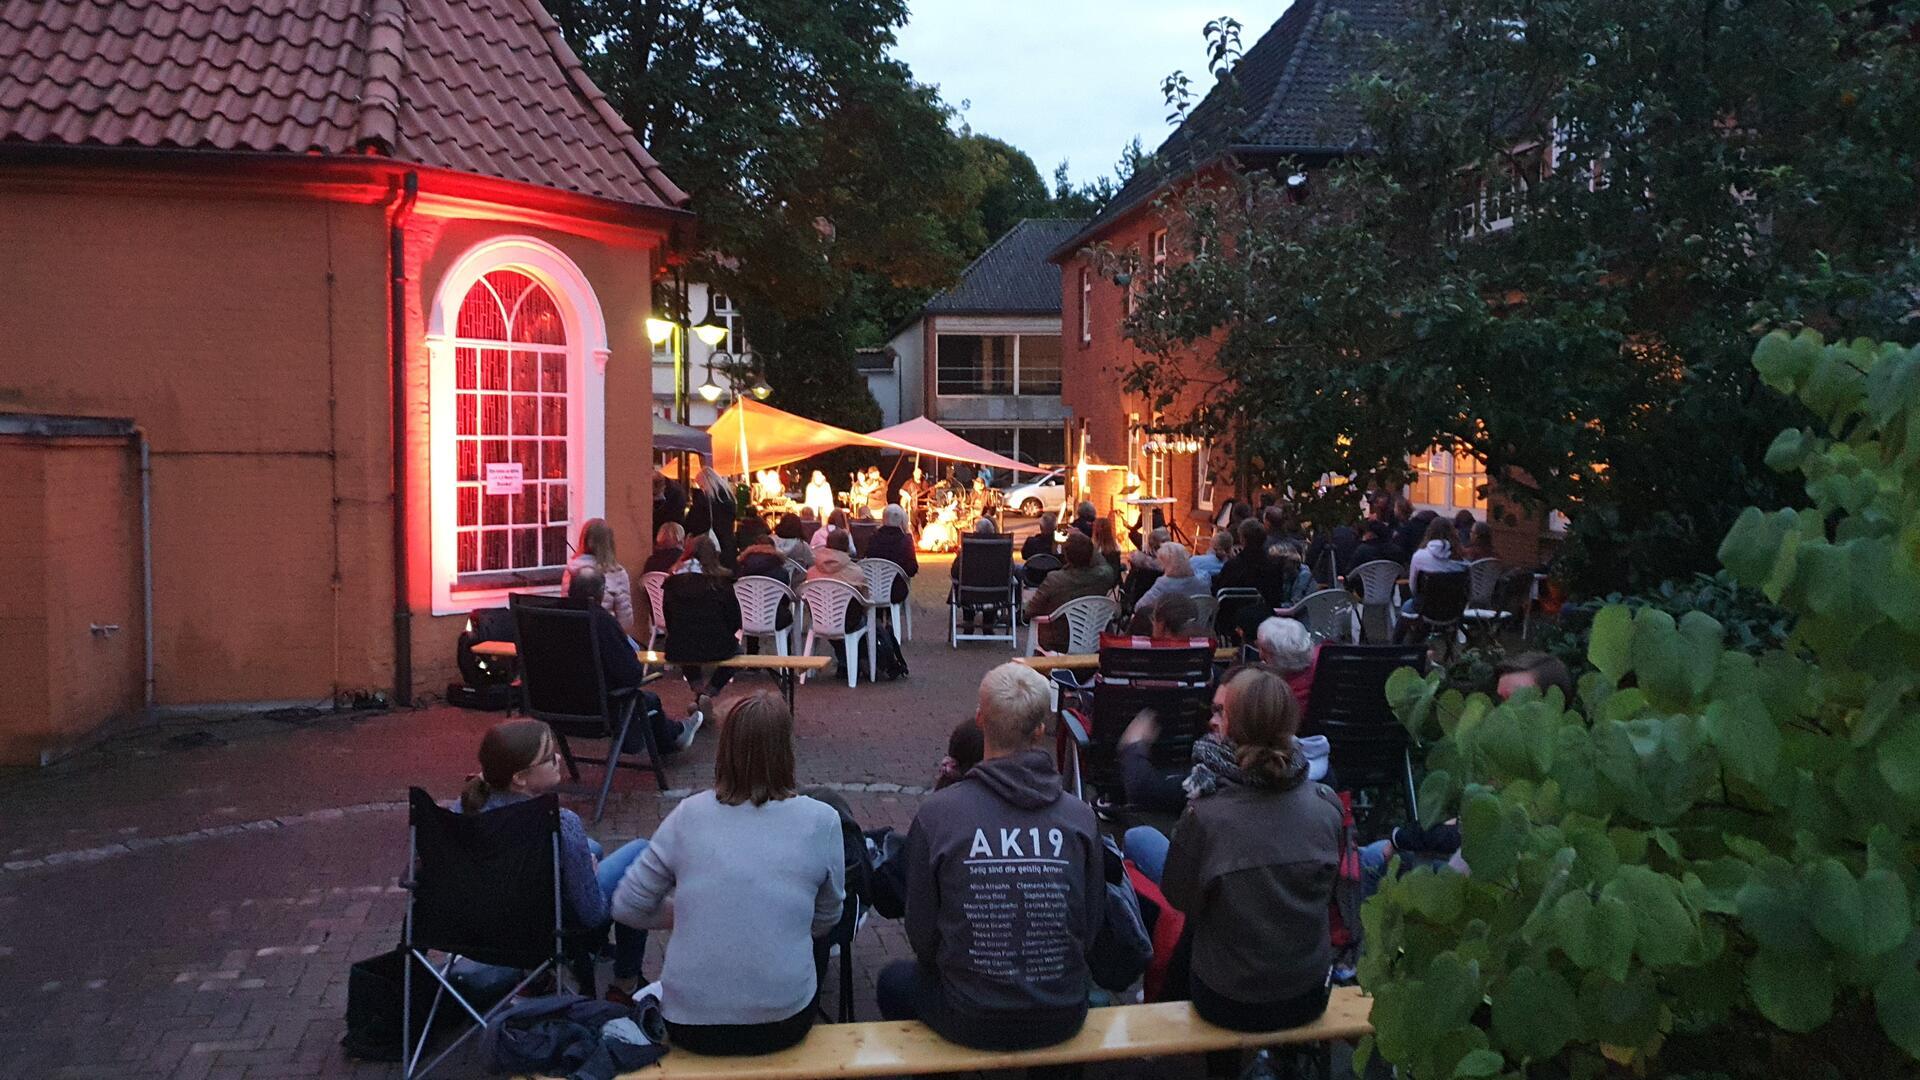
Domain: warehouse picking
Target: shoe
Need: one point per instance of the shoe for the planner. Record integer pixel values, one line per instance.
(688, 729)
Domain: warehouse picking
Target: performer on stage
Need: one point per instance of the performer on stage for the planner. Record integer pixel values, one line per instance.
(876, 500)
(820, 495)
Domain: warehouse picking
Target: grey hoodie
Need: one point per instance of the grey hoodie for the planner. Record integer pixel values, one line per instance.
(1005, 890)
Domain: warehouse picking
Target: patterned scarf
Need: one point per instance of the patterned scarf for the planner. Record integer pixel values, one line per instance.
(1216, 762)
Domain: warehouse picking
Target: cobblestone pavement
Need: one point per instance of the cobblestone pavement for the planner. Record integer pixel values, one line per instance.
(184, 901)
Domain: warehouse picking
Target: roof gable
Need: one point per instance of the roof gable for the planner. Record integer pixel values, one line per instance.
(1290, 100)
(1013, 275)
(480, 86)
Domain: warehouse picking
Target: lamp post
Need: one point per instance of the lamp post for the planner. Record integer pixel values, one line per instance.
(741, 381)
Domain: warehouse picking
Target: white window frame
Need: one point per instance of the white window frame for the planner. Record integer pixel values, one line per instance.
(1449, 507)
(587, 355)
(1086, 306)
(1157, 247)
(735, 321)
(1203, 478)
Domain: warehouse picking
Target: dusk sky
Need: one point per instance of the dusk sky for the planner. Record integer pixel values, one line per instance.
(1073, 79)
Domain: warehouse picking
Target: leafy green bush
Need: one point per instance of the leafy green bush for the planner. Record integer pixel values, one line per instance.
(1710, 868)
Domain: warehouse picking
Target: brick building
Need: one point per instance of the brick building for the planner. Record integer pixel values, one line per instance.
(1290, 113)
(345, 301)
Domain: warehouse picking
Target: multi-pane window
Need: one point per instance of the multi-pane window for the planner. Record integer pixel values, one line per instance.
(1157, 247)
(997, 364)
(1039, 364)
(510, 400)
(1448, 480)
(729, 316)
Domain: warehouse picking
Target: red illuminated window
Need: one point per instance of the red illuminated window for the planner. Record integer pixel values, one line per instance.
(510, 400)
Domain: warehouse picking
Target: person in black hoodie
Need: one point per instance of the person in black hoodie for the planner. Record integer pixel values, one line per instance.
(624, 670)
(1005, 889)
(712, 509)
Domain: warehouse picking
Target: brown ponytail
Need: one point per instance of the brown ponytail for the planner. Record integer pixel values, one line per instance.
(1263, 716)
(508, 747)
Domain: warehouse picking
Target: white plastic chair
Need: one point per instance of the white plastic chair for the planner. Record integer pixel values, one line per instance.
(881, 574)
(1086, 616)
(1328, 615)
(656, 608)
(826, 601)
(760, 599)
(1380, 587)
(1483, 576)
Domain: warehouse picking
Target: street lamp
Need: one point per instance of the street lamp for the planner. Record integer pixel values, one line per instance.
(711, 332)
(761, 391)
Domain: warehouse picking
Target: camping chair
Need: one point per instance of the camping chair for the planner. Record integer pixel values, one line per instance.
(1238, 612)
(985, 584)
(1171, 676)
(482, 887)
(1443, 600)
(760, 601)
(1328, 615)
(564, 683)
(881, 574)
(1371, 749)
(827, 600)
(1035, 570)
(1086, 618)
(1379, 584)
(859, 886)
(656, 608)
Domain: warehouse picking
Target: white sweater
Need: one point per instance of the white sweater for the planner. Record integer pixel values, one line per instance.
(752, 886)
(1435, 558)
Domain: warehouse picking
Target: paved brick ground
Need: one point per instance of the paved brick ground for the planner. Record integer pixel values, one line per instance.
(184, 901)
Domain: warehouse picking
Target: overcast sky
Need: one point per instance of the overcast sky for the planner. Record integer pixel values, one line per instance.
(1073, 79)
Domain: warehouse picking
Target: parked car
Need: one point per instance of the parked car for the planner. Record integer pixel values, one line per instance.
(1047, 493)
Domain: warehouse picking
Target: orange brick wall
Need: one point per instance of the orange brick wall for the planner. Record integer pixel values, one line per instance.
(71, 534)
(247, 335)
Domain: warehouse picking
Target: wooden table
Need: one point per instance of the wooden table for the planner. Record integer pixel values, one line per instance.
(1091, 661)
(786, 669)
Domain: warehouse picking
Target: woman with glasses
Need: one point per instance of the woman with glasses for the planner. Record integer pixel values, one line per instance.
(520, 759)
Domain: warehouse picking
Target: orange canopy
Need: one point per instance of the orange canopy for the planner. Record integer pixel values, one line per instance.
(771, 437)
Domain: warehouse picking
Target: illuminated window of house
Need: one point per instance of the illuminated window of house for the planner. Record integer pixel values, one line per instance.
(1448, 480)
(511, 408)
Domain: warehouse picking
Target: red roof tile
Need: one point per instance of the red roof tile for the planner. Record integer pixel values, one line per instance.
(480, 86)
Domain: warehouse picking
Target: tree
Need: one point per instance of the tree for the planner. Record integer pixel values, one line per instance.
(1709, 870)
(1569, 222)
(821, 172)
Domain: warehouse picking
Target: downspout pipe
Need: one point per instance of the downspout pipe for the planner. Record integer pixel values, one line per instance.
(146, 567)
(408, 194)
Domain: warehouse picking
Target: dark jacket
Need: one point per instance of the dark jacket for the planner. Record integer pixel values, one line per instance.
(762, 560)
(1254, 869)
(1040, 543)
(616, 652)
(706, 512)
(1006, 889)
(1062, 585)
(1342, 541)
(702, 617)
(1369, 552)
(1251, 569)
(662, 561)
(890, 543)
(671, 504)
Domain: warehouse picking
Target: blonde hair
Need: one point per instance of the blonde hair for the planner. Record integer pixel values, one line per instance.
(670, 535)
(1014, 700)
(1263, 716)
(1174, 560)
(596, 539)
(715, 486)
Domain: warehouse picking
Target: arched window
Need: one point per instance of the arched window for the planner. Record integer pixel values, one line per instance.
(510, 372)
(517, 352)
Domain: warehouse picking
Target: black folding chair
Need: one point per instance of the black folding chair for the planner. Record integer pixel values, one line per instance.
(484, 887)
(1242, 609)
(1173, 677)
(985, 587)
(1370, 748)
(854, 845)
(564, 683)
(1442, 605)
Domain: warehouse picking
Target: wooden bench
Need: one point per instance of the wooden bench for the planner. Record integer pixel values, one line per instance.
(784, 668)
(910, 1048)
(1087, 661)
